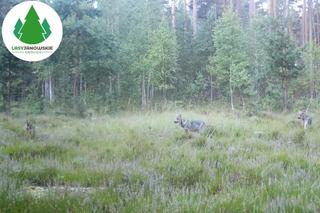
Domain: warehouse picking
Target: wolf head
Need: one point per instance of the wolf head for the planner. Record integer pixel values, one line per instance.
(301, 115)
(178, 119)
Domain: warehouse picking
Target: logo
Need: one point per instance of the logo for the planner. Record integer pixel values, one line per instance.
(32, 31)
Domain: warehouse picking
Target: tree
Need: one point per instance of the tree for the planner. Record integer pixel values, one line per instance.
(272, 4)
(173, 13)
(311, 58)
(162, 58)
(264, 88)
(283, 56)
(229, 63)
(194, 18)
(32, 31)
(252, 9)
(17, 29)
(46, 27)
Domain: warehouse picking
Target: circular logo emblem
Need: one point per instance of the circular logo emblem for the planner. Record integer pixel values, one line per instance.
(32, 31)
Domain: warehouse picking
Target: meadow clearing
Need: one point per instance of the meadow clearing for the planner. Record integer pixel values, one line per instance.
(143, 162)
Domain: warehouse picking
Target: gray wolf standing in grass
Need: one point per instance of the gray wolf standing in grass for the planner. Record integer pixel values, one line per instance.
(190, 125)
(307, 120)
(30, 129)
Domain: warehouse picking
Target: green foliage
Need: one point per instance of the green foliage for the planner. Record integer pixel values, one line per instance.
(119, 55)
(229, 64)
(283, 57)
(309, 80)
(161, 58)
(198, 88)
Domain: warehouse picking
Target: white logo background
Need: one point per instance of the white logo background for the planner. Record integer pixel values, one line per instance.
(43, 11)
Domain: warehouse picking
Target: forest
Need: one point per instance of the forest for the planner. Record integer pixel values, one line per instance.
(164, 106)
(150, 54)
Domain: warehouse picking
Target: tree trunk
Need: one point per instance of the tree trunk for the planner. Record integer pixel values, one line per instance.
(311, 72)
(211, 90)
(318, 23)
(252, 9)
(85, 91)
(48, 89)
(110, 85)
(273, 8)
(286, 8)
(75, 87)
(217, 9)
(152, 91)
(80, 84)
(289, 25)
(7, 94)
(304, 24)
(186, 18)
(119, 85)
(285, 93)
(243, 104)
(317, 17)
(51, 91)
(77, 75)
(143, 92)
(164, 95)
(173, 13)
(310, 39)
(149, 88)
(310, 20)
(238, 7)
(194, 18)
(231, 93)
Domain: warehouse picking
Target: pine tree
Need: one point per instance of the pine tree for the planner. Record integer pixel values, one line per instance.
(17, 29)
(46, 27)
(32, 31)
(283, 57)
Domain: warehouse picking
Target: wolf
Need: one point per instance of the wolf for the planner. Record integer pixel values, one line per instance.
(30, 129)
(190, 125)
(307, 120)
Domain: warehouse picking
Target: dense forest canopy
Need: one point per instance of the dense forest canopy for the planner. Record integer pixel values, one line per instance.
(117, 55)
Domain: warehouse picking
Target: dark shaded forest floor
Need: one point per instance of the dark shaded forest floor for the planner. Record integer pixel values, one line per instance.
(144, 163)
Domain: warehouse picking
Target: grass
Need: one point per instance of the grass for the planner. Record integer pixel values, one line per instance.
(144, 163)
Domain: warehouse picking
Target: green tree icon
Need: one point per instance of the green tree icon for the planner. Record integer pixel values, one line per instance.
(17, 29)
(46, 27)
(32, 31)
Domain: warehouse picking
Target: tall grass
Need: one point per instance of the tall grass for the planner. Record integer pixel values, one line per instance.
(144, 163)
